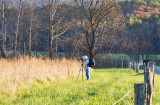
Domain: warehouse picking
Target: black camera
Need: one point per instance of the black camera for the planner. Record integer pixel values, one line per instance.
(82, 59)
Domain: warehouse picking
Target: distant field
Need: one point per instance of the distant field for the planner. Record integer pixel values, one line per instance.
(103, 55)
(106, 55)
(115, 56)
(105, 87)
(127, 56)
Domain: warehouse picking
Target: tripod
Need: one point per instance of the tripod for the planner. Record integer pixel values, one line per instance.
(81, 69)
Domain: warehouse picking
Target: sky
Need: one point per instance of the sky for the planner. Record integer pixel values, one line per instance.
(15, 1)
(38, 2)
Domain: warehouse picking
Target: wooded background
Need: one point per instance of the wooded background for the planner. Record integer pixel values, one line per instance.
(80, 27)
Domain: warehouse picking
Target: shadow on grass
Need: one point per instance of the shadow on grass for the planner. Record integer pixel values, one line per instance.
(139, 74)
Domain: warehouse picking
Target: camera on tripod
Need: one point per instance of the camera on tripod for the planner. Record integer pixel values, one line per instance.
(82, 59)
(81, 68)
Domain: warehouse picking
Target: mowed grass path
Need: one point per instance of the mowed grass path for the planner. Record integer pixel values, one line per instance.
(105, 87)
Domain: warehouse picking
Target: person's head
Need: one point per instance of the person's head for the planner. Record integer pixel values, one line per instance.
(85, 57)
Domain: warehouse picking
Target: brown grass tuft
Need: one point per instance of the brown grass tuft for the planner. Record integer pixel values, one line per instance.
(25, 70)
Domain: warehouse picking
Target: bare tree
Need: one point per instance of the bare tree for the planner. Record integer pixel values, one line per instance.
(97, 19)
(4, 4)
(136, 45)
(31, 25)
(4, 24)
(17, 30)
(53, 4)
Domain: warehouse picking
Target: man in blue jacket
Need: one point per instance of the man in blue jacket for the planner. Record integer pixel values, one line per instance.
(86, 62)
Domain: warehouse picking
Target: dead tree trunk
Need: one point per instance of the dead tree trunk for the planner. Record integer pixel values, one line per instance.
(18, 20)
(24, 48)
(52, 11)
(3, 53)
(56, 40)
(4, 25)
(36, 44)
(30, 33)
(50, 45)
(56, 46)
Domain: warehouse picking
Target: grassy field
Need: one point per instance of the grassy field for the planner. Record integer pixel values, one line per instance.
(105, 87)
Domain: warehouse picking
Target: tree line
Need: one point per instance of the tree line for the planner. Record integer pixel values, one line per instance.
(76, 27)
(50, 25)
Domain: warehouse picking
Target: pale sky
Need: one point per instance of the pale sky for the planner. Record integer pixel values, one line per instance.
(38, 2)
(15, 1)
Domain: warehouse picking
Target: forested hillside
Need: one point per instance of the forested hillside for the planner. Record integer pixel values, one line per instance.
(143, 22)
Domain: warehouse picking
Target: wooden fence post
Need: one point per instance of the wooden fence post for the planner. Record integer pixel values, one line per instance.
(146, 64)
(122, 63)
(139, 94)
(148, 80)
(149, 88)
(134, 68)
(133, 65)
(153, 73)
(152, 65)
(129, 64)
(137, 67)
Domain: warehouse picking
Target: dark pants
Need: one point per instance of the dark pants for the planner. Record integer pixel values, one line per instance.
(87, 73)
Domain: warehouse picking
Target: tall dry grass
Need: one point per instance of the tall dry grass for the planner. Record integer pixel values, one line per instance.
(25, 70)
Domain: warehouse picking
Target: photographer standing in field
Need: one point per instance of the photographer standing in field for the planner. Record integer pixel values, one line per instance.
(85, 60)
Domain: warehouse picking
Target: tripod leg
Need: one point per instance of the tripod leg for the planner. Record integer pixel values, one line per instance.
(82, 73)
(79, 73)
